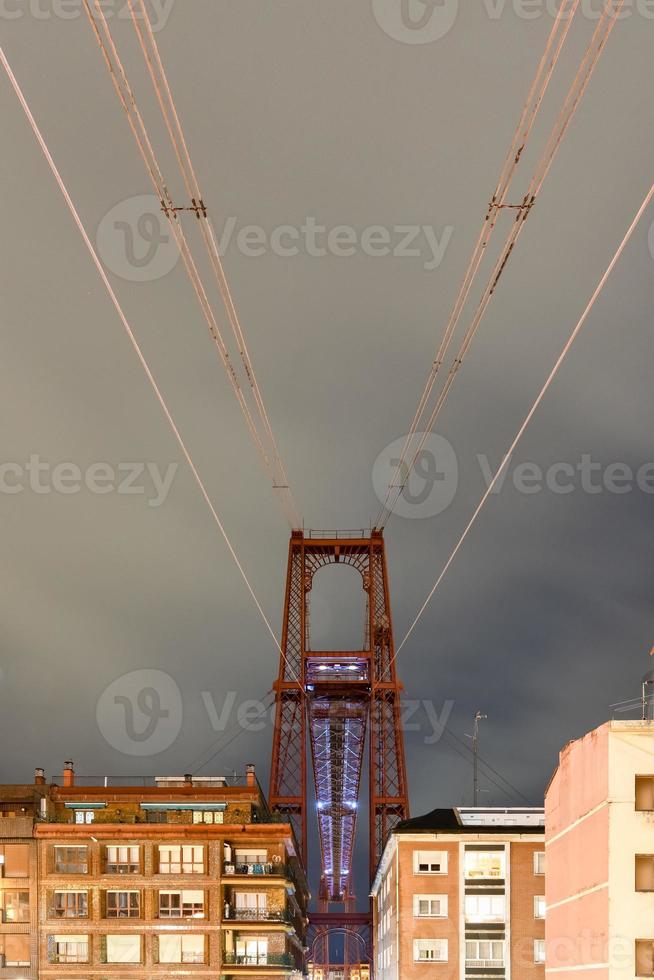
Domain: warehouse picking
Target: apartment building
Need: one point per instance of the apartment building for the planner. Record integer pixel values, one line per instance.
(460, 894)
(189, 877)
(600, 855)
(18, 879)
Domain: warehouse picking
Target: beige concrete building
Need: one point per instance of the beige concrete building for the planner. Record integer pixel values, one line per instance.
(460, 894)
(190, 877)
(600, 856)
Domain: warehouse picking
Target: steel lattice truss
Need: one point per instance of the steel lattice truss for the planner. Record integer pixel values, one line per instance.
(336, 699)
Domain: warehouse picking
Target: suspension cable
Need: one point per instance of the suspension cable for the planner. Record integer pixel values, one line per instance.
(575, 93)
(132, 338)
(264, 441)
(532, 411)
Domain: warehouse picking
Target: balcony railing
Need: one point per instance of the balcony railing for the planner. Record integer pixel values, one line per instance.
(486, 964)
(269, 868)
(257, 915)
(258, 959)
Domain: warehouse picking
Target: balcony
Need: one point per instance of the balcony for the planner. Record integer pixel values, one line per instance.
(257, 870)
(262, 959)
(256, 915)
(485, 964)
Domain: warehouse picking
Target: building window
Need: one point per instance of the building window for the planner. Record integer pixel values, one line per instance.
(208, 816)
(14, 906)
(71, 905)
(430, 906)
(69, 949)
(181, 905)
(430, 950)
(71, 860)
(539, 863)
(181, 949)
(539, 950)
(156, 816)
(485, 908)
(645, 872)
(645, 957)
(250, 905)
(250, 862)
(186, 859)
(539, 906)
(645, 792)
(123, 860)
(484, 864)
(84, 816)
(14, 861)
(122, 949)
(484, 953)
(123, 905)
(252, 952)
(14, 950)
(430, 862)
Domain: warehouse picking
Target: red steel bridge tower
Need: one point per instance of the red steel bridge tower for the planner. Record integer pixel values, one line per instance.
(338, 699)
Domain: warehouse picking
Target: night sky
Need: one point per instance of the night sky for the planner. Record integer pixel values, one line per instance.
(296, 110)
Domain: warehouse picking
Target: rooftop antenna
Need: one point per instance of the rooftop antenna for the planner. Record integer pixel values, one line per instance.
(475, 757)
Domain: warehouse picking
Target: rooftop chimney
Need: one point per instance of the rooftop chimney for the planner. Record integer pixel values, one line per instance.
(39, 777)
(69, 774)
(188, 778)
(250, 777)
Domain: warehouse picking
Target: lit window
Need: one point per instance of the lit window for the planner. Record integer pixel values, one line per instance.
(123, 860)
(251, 905)
(84, 816)
(539, 950)
(181, 905)
(14, 906)
(181, 859)
(181, 949)
(430, 862)
(484, 863)
(208, 816)
(123, 949)
(484, 954)
(539, 863)
(430, 950)
(485, 908)
(539, 906)
(68, 949)
(252, 952)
